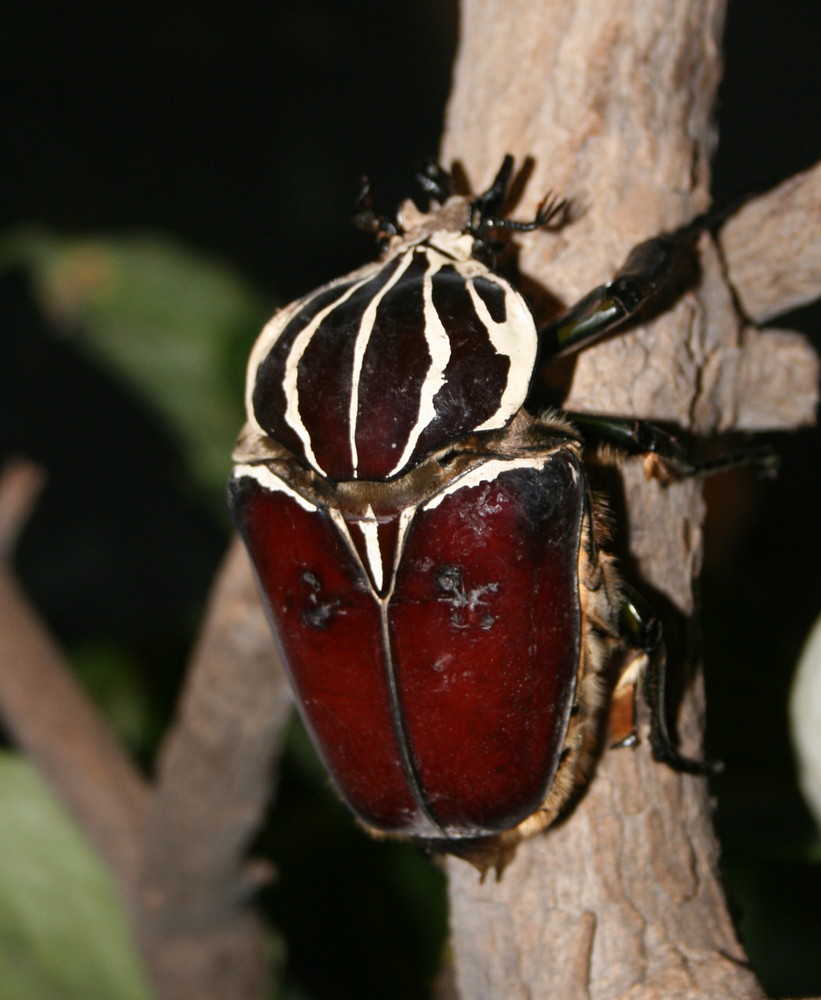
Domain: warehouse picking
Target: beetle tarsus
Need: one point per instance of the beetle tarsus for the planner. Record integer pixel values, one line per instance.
(490, 202)
(484, 211)
(660, 743)
(367, 219)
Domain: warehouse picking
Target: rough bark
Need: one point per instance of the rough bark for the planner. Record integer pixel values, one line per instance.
(614, 105)
(772, 246)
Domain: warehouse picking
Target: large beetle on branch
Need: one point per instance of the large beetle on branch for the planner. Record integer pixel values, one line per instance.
(427, 545)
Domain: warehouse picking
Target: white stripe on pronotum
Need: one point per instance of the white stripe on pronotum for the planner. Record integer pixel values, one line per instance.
(362, 340)
(438, 344)
(517, 339)
(289, 381)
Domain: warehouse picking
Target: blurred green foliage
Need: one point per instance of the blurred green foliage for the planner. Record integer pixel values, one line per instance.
(63, 934)
(170, 322)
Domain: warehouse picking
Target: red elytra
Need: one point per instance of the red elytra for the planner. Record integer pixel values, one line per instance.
(439, 696)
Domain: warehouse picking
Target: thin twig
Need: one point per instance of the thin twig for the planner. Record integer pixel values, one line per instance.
(21, 482)
(49, 715)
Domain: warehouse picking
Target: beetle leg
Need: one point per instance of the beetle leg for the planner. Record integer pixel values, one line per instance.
(366, 218)
(434, 180)
(490, 201)
(643, 632)
(665, 456)
(484, 210)
(648, 270)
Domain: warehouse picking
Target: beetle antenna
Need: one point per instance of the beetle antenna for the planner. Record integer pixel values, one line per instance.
(488, 204)
(434, 180)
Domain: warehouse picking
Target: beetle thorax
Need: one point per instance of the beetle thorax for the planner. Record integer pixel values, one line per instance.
(371, 373)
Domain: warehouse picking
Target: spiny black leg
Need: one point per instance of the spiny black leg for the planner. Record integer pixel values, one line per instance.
(490, 202)
(642, 630)
(366, 218)
(638, 437)
(435, 181)
(646, 272)
(484, 211)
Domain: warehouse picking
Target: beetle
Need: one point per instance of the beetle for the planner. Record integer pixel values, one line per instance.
(429, 551)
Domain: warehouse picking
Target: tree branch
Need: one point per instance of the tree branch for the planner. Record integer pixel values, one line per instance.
(614, 104)
(771, 251)
(52, 719)
(772, 248)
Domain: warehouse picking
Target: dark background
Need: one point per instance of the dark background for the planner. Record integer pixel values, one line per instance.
(243, 130)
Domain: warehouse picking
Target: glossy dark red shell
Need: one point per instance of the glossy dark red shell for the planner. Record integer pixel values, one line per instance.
(440, 709)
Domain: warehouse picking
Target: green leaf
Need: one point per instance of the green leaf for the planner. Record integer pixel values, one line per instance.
(173, 323)
(63, 934)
